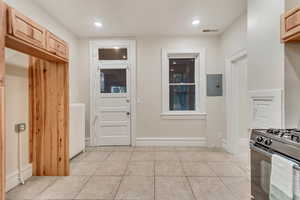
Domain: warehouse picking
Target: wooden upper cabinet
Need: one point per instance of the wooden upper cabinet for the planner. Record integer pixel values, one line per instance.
(26, 36)
(290, 26)
(56, 45)
(25, 29)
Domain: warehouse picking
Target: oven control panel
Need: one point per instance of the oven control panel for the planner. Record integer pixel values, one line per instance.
(263, 140)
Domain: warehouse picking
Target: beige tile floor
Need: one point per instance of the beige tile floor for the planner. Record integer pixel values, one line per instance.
(145, 173)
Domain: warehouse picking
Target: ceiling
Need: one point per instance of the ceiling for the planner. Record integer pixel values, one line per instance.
(143, 17)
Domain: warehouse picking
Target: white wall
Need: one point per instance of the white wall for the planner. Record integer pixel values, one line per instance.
(84, 81)
(149, 122)
(265, 52)
(149, 67)
(289, 4)
(16, 105)
(234, 38)
(292, 78)
(292, 85)
(30, 9)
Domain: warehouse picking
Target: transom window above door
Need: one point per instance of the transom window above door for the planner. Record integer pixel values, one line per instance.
(183, 83)
(115, 53)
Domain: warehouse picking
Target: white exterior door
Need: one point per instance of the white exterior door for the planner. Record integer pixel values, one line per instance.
(111, 114)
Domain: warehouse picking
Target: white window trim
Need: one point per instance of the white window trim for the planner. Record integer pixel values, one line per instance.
(200, 81)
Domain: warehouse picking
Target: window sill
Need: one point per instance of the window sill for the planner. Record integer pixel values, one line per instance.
(184, 115)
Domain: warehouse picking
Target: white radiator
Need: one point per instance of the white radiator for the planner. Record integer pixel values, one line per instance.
(77, 129)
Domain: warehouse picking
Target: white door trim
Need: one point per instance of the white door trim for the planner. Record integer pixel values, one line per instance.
(232, 135)
(113, 43)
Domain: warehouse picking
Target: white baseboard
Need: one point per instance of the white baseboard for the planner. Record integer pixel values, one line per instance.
(244, 142)
(196, 141)
(87, 141)
(224, 144)
(12, 180)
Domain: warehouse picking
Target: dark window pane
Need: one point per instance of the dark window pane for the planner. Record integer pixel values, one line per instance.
(182, 97)
(113, 81)
(182, 70)
(113, 54)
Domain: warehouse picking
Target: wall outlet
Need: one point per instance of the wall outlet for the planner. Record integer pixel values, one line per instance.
(21, 127)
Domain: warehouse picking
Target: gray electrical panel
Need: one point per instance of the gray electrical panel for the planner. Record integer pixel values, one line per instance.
(214, 85)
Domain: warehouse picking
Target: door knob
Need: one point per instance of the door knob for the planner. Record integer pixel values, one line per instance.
(128, 113)
(127, 100)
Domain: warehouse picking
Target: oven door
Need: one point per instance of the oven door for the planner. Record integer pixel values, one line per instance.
(260, 172)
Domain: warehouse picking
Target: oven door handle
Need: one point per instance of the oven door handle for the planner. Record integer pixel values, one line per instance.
(253, 147)
(268, 154)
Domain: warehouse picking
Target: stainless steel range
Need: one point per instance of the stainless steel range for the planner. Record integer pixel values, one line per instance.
(264, 143)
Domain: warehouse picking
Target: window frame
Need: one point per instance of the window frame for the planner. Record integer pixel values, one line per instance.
(200, 84)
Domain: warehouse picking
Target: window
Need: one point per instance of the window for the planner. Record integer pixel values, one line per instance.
(113, 80)
(112, 53)
(183, 83)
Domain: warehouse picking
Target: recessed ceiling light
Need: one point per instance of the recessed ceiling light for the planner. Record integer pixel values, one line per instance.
(116, 47)
(196, 22)
(98, 24)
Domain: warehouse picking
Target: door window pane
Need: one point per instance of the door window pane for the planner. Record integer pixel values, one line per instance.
(182, 97)
(113, 54)
(182, 70)
(113, 81)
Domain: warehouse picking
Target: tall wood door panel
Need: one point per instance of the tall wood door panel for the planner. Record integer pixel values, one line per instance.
(2, 145)
(49, 116)
(2, 112)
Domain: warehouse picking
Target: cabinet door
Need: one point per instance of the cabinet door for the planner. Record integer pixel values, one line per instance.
(292, 21)
(290, 25)
(25, 29)
(56, 45)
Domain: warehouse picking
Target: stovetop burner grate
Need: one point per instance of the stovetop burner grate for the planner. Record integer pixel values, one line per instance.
(287, 134)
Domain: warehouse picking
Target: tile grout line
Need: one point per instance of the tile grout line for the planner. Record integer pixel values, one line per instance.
(48, 186)
(219, 177)
(156, 160)
(56, 179)
(123, 176)
(186, 177)
(90, 177)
